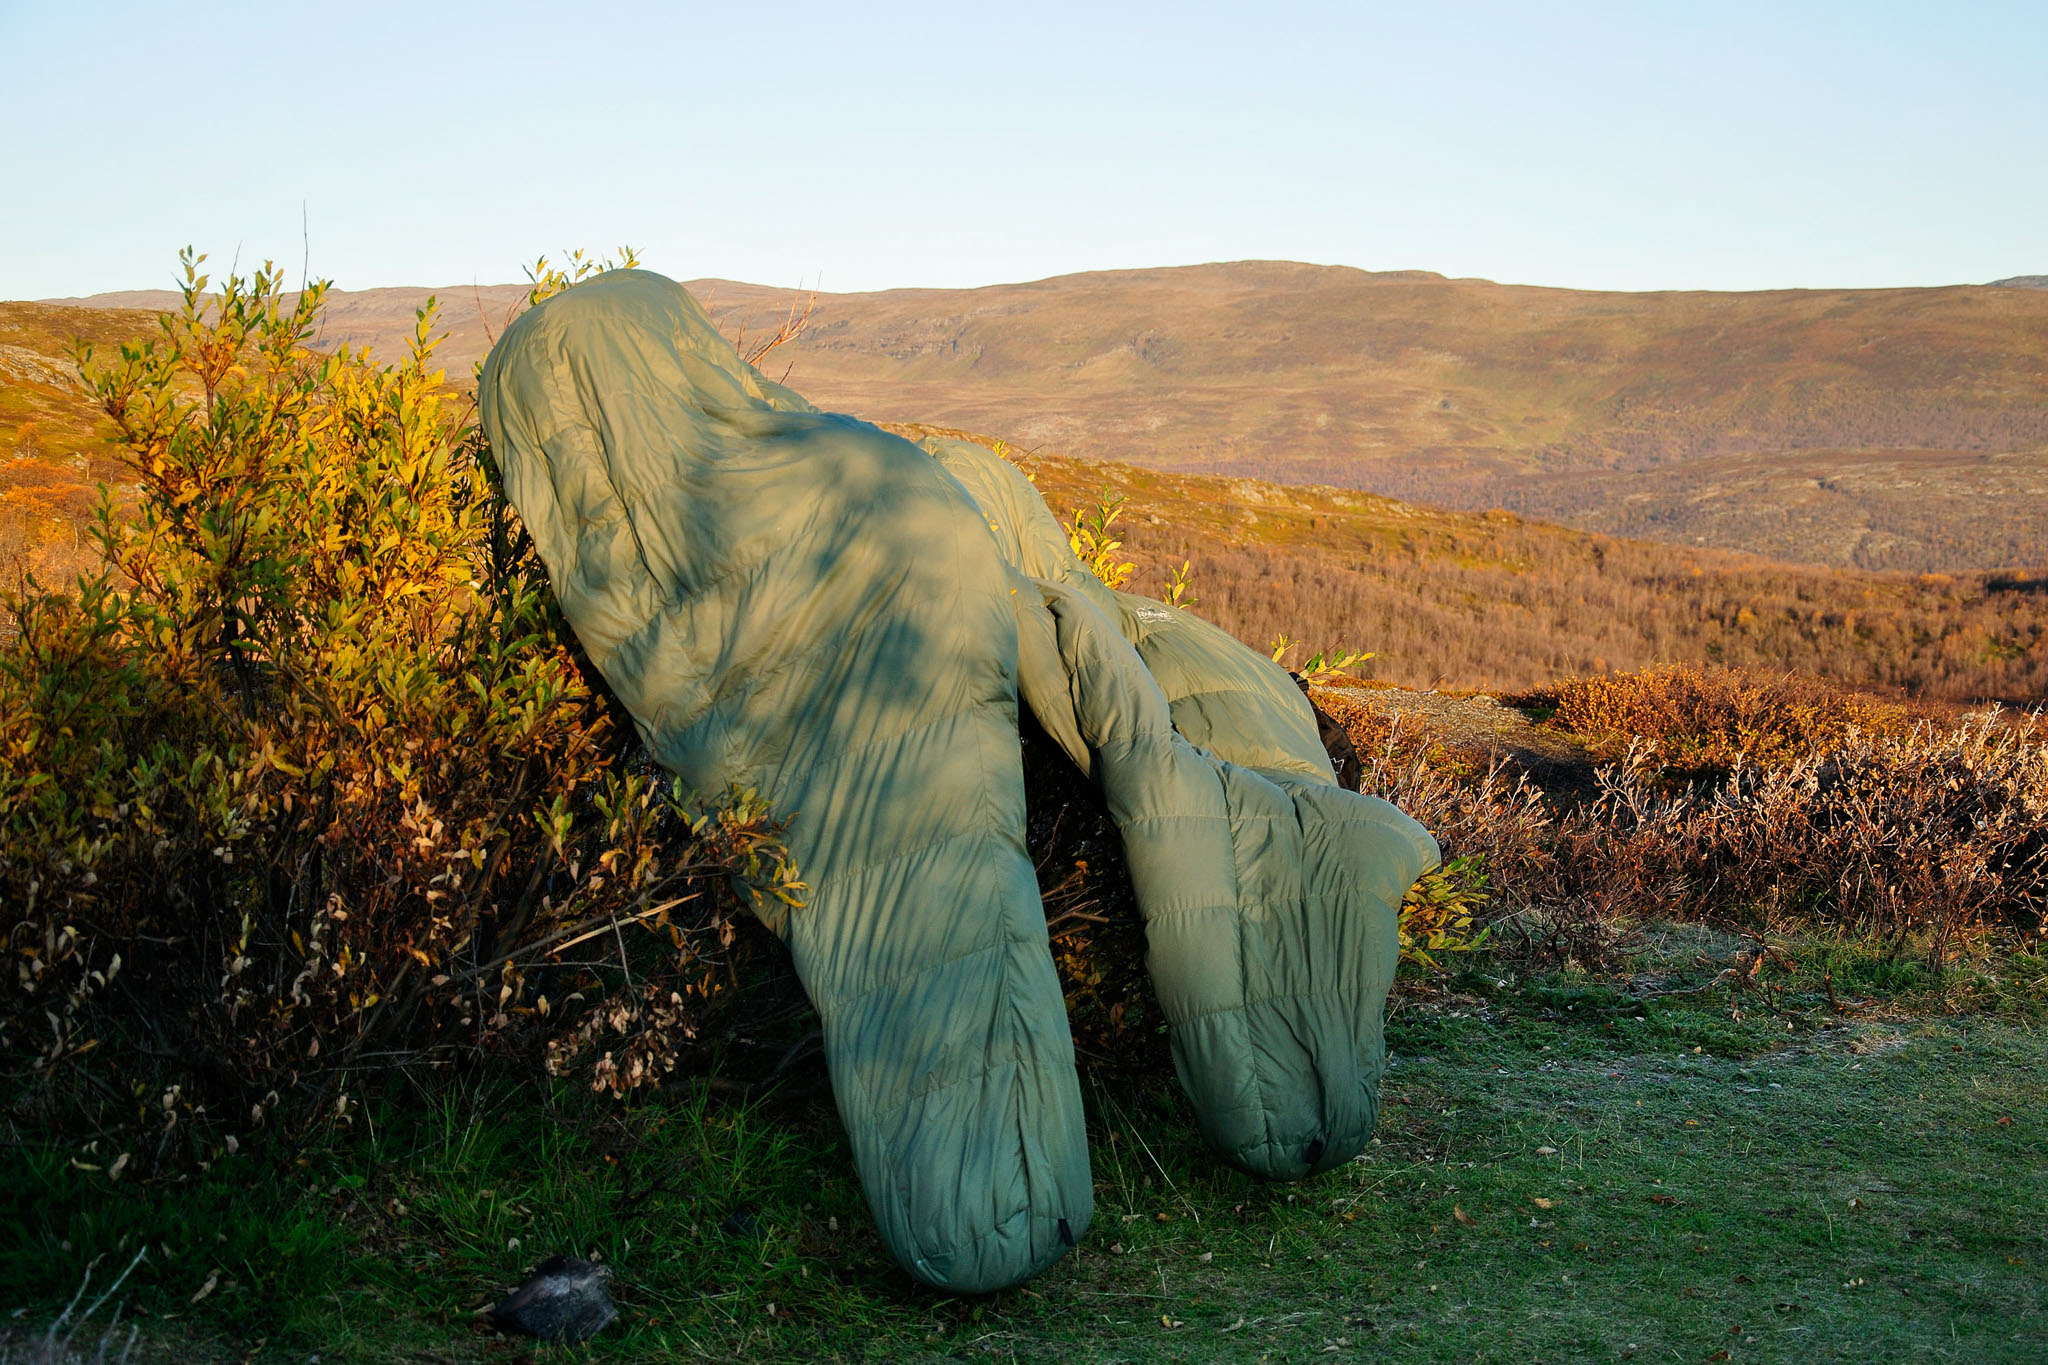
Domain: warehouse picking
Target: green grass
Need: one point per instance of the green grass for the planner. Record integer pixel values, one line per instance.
(1563, 1172)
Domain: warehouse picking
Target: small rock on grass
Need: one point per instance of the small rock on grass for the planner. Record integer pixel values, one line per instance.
(565, 1300)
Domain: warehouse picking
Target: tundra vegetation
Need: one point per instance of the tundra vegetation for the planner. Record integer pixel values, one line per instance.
(356, 959)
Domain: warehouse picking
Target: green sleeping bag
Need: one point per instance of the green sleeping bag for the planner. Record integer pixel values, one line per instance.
(802, 603)
(1271, 896)
(1226, 698)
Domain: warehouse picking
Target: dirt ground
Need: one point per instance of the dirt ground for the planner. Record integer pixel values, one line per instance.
(1478, 728)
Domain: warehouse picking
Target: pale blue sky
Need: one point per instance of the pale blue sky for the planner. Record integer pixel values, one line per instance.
(1629, 146)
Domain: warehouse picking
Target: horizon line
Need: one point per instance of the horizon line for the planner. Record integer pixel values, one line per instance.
(2016, 281)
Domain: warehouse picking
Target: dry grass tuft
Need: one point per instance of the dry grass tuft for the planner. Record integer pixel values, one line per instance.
(59, 1344)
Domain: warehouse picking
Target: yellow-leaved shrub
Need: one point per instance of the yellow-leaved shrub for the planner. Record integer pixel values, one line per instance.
(307, 780)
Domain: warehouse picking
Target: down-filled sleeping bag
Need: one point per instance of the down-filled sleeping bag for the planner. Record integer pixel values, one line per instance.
(1271, 896)
(801, 603)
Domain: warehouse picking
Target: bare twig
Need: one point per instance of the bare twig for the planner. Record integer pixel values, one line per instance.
(794, 322)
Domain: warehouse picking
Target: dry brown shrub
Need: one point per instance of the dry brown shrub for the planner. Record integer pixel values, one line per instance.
(1092, 916)
(1691, 717)
(1928, 835)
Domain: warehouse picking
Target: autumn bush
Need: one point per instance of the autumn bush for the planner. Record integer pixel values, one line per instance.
(1922, 836)
(1715, 718)
(306, 782)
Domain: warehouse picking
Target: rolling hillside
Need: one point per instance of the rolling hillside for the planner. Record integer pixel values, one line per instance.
(1469, 599)
(53, 447)
(1888, 428)
(1884, 428)
(1490, 600)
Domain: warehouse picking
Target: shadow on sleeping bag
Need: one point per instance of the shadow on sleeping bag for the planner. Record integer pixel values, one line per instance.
(801, 603)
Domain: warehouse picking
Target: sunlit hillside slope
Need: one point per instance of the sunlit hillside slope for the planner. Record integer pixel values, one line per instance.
(1485, 599)
(1883, 428)
(1899, 428)
(1490, 600)
(53, 445)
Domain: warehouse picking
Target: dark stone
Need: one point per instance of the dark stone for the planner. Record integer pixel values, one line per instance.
(743, 1221)
(565, 1300)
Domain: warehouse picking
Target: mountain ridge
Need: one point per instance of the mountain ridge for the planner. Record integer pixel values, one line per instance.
(1880, 428)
